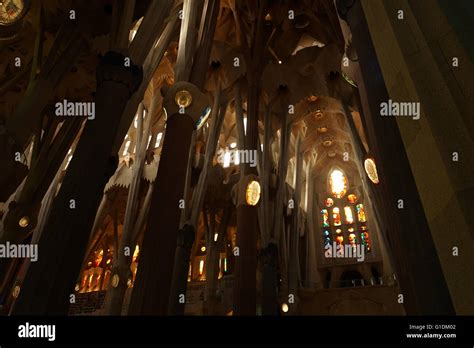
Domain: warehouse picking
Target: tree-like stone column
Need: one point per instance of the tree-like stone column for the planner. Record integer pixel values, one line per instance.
(184, 104)
(49, 284)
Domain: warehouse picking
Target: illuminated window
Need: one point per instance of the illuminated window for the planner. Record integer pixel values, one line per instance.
(328, 202)
(325, 216)
(201, 267)
(327, 239)
(353, 241)
(371, 170)
(361, 213)
(352, 238)
(226, 159)
(338, 183)
(98, 257)
(158, 139)
(348, 214)
(125, 150)
(336, 216)
(352, 198)
(365, 239)
(135, 253)
(339, 240)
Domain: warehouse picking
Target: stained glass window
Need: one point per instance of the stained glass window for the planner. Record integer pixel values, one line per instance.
(352, 239)
(339, 240)
(365, 239)
(348, 214)
(371, 170)
(337, 183)
(328, 202)
(336, 216)
(360, 213)
(325, 216)
(352, 198)
(327, 239)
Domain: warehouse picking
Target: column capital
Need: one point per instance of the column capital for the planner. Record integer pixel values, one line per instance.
(186, 99)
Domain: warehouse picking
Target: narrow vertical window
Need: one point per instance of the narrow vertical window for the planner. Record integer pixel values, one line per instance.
(349, 218)
(336, 216)
(361, 213)
(325, 216)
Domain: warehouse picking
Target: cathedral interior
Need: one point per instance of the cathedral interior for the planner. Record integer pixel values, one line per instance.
(230, 157)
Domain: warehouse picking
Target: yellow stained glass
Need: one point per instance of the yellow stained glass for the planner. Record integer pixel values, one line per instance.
(352, 198)
(361, 213)
(348, 214)
(338, 183)
(336, 216)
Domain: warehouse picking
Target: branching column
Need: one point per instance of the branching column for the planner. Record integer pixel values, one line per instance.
(50, 281)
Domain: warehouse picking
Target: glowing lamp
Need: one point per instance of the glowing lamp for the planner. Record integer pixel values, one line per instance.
(284, 308)
(24, 221)
(183, 98)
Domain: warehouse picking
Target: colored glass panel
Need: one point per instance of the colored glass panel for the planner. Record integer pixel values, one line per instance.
(349, 218)
(352, 198)
(338, 183)
(365, 239)
(336, 216)
(325, 216)
(361, 213)
(328, 202)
